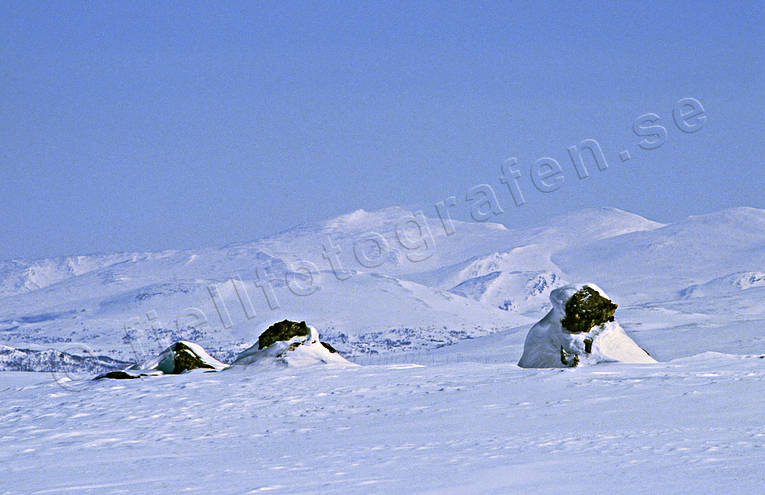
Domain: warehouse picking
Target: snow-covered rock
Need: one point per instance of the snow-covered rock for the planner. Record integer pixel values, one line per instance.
(178, 358)
(579, 329)
(289, 343)
(183, 356)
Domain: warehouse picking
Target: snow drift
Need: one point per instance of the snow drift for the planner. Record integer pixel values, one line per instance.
(579, 329)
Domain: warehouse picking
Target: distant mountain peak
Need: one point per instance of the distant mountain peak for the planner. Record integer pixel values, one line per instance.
(361, 219)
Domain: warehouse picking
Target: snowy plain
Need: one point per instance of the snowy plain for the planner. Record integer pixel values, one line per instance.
(690, 425)
(418, 416)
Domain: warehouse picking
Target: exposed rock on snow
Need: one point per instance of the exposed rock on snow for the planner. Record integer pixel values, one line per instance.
(186, 356)
(290, 343)
(117, 375)
(587, 308)
(329, 347)
(283, 330)
(178, 358)
(579, 329)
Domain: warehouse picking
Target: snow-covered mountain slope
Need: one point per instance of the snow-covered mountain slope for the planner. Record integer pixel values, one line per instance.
(522, 292)
(19, 276)
(585, 226)
(378, 281)
(647, 265)
(733, 283)
(368, 312)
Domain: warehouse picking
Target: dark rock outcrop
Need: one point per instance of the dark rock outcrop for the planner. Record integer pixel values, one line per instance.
(282, 331)
(117, 375)
(185, 359)
(330, 348)
(587, 309)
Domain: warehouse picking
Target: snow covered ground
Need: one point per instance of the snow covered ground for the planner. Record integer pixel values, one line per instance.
(692, 425)
(418, 416)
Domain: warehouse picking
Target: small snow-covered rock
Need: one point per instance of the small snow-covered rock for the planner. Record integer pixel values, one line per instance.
(579, 329)
(290, 343)
(178, 358)
(183, 356)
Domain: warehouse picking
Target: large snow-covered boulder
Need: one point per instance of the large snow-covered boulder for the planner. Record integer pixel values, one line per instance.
(178, 358)
(579, 329)
(289, 343)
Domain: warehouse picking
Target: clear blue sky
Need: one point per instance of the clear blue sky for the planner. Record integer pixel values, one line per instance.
(144, 126)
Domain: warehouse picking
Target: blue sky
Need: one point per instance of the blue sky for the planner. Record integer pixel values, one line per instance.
(144, 126)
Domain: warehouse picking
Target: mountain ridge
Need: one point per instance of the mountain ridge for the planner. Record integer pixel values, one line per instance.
(378, 294)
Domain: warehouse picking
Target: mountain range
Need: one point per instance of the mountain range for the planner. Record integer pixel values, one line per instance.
(392, 281)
